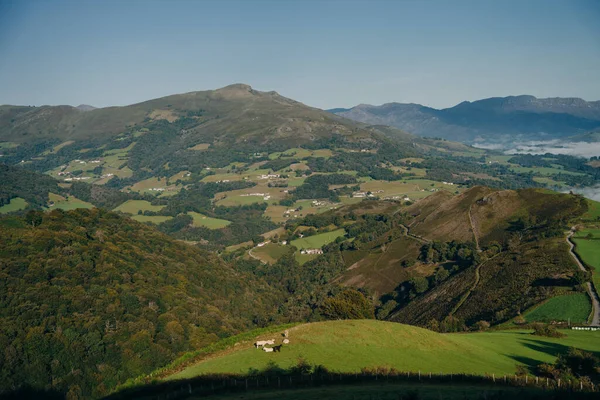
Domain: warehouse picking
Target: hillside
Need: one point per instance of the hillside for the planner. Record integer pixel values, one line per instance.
(492, 120)
(90, 299)
(237, 110)
(349, 346)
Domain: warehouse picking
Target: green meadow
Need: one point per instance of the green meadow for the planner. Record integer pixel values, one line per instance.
(574, 307)
(68, 203)
(133, 206)
(15, 204)
(348, 346)
(208, 222)
(319, 240)
(589, 251)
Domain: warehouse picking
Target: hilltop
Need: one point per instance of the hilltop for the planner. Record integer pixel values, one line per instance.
(497, 119)
(349, 346)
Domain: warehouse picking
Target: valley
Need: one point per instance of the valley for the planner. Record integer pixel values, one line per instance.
(186, 221)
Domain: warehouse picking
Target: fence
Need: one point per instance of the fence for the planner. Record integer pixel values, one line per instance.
(219, 384)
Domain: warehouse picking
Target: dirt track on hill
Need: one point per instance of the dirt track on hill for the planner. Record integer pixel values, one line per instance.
(590, 288)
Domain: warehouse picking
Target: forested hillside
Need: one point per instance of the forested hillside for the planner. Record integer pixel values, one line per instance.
(89, 299)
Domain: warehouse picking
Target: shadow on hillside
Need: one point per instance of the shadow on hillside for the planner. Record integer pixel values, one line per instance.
(29, 393)
(552, 349)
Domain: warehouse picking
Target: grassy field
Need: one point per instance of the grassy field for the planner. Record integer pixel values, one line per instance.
(589, 251)
(16, 204)
(317, 241)
(155, 219)
(388, 391)
(68, 203)
(208, 222)
(8, 145)
(133, 206)
(271, 252)
(576, 307)
(348, 346)
(593, 211)
(543, 170)
(201, 146)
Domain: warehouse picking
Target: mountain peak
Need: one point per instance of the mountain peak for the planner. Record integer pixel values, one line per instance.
(85, 107)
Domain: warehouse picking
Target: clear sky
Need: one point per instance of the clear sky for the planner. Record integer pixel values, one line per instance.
(323, 53)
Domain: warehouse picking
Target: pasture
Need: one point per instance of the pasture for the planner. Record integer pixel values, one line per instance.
(348, 346)
(133, 206)
(155, 219)
(589, 251)
(207, 222)
(15, 204)
(270, 252)
(543, 170)
(593, 211)
(319, 240)
(67, 203)
(574, 307)
(200, 147)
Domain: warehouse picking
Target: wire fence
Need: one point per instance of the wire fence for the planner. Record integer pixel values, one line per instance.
(220, 384)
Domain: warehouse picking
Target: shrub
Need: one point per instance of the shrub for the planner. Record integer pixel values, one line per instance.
(540, 329)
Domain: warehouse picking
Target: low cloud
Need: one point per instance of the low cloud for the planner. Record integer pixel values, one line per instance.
(589, 192)
(580, 149)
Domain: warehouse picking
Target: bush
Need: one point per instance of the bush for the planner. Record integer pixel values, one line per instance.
(540, 329)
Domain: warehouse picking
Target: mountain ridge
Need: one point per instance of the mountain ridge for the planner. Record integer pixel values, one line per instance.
(492, 119)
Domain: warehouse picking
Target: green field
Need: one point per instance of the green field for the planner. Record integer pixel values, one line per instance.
(317, 241)
(133, 206)
(155, 219)
(68, 203)
(593, 211)
(543, 171)
(574, 307)
(348, 346)
(15, 204)
(208, 222)
(270, 252)
(589, 251)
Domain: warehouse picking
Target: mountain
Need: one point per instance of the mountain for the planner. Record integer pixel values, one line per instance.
(497, 119)
(85, 107)
(236, 110)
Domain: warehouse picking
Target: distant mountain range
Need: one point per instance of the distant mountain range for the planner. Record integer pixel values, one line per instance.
(493, 120)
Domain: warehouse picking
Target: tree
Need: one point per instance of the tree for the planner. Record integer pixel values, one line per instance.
(419, 284)
(34, 218)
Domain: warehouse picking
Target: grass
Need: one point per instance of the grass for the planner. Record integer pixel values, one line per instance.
(155, 219)
(8, 145)
(15, 204)
(201, 146)
(348, 346)
(208, 222)
(593, 211)
(68, 203)
(574, 307)
(271, 252)
(133, 206)
(589, 251)
(543, 171)
(318, 241)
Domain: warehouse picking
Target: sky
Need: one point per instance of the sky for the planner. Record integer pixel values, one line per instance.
(323, 53)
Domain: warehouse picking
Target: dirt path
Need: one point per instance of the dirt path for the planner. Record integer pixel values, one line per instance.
(473, 229)
(255, 257)
(590, 288)
(410, 235)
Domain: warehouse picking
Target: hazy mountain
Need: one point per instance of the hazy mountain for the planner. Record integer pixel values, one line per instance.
(236, 109)
(85, 107)
(495, 119)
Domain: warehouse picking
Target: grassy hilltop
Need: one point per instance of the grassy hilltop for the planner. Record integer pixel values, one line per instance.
(348, 346)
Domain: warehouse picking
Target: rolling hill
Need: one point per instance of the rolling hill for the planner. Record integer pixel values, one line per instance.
(90, 299)
(493, 120)
(349, 346)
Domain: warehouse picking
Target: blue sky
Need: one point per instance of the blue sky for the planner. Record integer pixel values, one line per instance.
(323, 53)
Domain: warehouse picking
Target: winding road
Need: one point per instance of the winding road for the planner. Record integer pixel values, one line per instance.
(590, 288)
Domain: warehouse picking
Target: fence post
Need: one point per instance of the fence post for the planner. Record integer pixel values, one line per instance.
(580, 385)
(246, 383)
(419, 374)
(494, 378)
(525, 379)
(278, 381)
(189, 388)
(558, 382)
